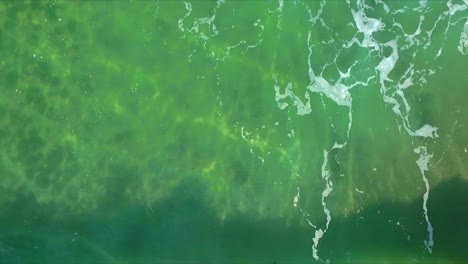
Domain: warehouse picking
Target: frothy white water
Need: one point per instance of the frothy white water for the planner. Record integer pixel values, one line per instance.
(328, 189)
(302, 108)
(390, 58)
(463, 44)
(423, 163)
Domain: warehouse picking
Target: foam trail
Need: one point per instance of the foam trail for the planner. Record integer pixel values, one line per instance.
(423, 162)
(325, 193)
(296, 198)
(385, 66)
(302, 108)
(328, 189)
(463, 45)
(279, 10)
(180, 22)
(393, 86)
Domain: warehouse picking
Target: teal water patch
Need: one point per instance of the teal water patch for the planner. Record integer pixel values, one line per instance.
(228, 131)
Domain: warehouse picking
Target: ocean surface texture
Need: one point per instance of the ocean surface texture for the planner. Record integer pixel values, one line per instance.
(233, 131)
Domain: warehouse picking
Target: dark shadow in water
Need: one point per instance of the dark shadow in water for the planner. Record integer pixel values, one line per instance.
(183, 230)
(399, 230)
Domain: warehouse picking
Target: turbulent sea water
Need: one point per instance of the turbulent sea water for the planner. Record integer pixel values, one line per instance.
(229, 131)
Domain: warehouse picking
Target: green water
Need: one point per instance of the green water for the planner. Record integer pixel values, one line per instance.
(233, 131)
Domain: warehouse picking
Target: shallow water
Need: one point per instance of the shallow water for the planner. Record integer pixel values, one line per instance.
(233, 131)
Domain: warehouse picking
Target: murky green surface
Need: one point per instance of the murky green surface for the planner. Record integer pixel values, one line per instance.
(233, 131)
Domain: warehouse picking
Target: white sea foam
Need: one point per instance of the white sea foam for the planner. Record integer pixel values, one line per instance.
(302, 108)
(463, 44)
(296, 198)
(423, 163)
(394, 87)
(426, 131)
